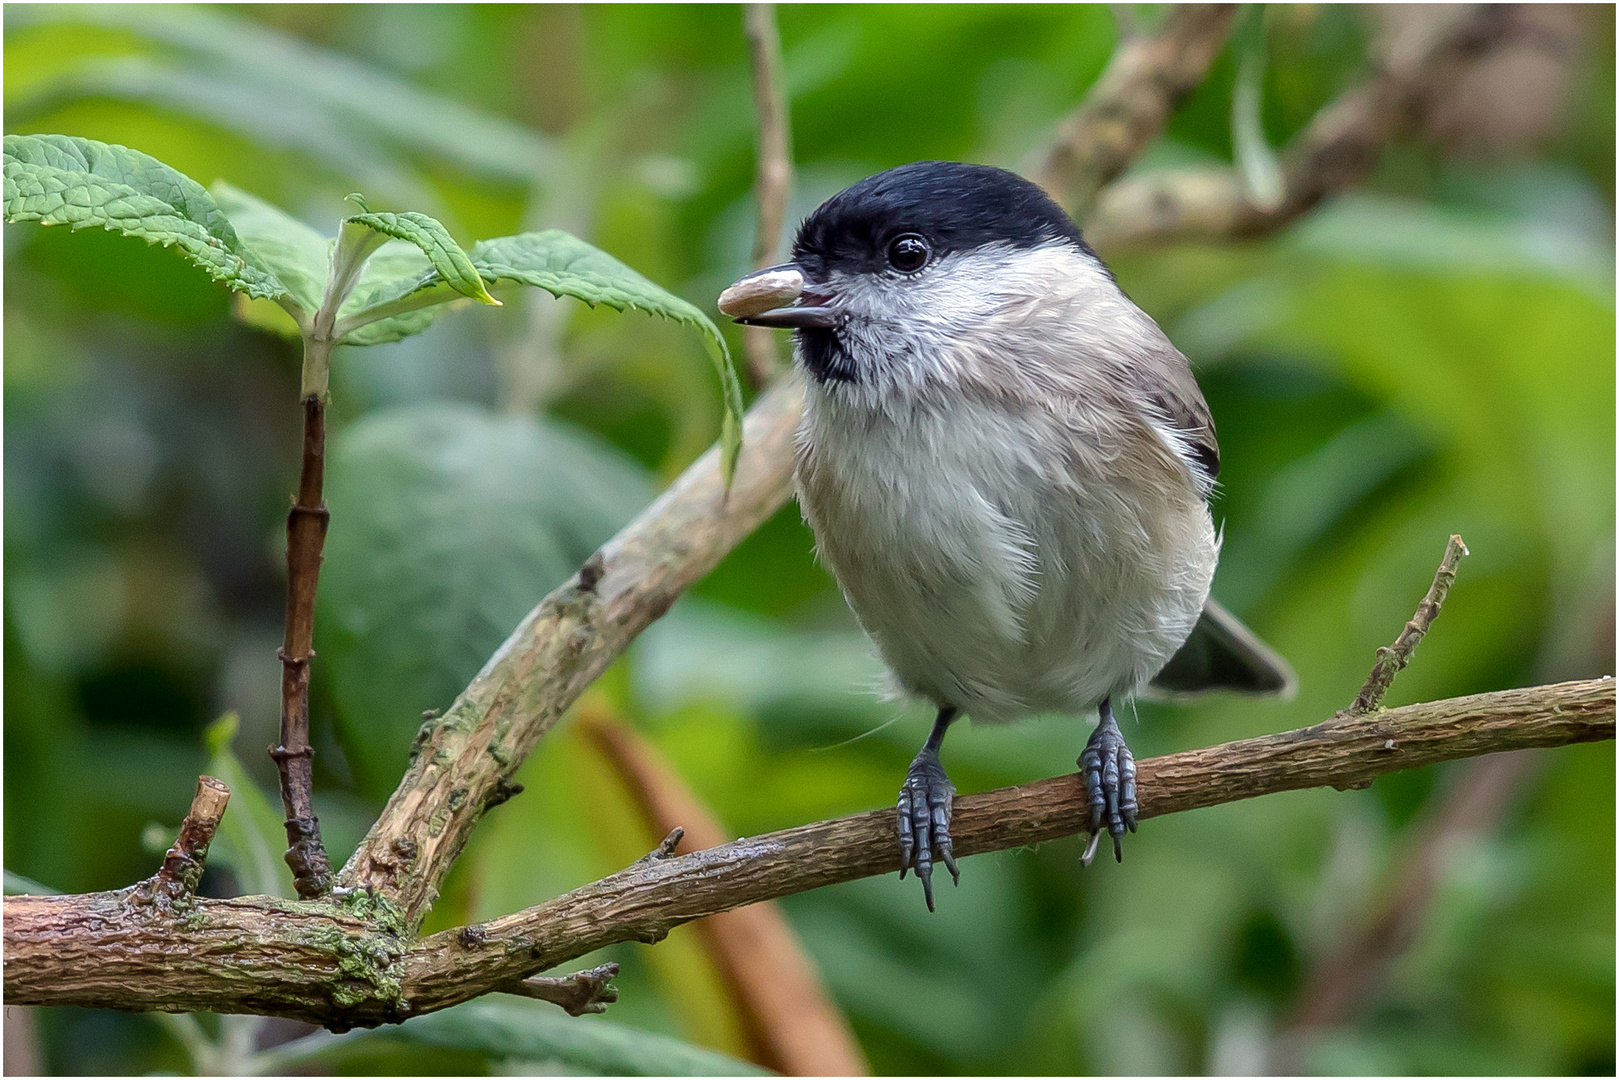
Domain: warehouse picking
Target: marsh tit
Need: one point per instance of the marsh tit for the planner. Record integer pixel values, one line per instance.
(1007, 466)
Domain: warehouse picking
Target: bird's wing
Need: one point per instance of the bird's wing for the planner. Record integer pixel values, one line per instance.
(1165, 381)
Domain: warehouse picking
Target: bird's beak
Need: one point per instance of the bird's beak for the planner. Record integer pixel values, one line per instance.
(776, 296)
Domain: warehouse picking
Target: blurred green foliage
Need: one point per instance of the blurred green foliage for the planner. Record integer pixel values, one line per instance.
(1432, 354)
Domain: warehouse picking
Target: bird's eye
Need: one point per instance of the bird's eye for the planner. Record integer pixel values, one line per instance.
(908, 253)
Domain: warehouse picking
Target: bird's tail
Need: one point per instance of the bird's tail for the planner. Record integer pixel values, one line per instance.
(1223, 654)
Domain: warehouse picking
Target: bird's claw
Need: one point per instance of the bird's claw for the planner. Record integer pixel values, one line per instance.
(1110, 783)
(925, 803)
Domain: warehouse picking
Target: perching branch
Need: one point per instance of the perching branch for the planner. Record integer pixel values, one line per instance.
(774, 182)
(343, 966)
(1338, 148)
(1145, 80)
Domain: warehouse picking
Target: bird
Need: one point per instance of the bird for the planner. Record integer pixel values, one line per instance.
(1007, 466)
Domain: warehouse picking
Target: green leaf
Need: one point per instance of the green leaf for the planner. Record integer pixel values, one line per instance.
(251, 836)
(563, 265)
(449, 524)
(451, 263)
(396, 271)
(16, 884)
(347, 115)
(62, 180)
(530, 1036)
(298, 255)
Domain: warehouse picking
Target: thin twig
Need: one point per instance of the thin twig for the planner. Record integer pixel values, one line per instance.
(588, 991)
(774, 182)
(183, 863)
(306, 535)
(1392, 658)
(1147, 77)
(1337, 149)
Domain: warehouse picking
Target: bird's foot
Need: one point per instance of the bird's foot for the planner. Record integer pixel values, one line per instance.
(924, 821)
(1110, 782)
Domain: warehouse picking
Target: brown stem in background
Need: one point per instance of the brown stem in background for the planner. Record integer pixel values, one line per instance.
(1338, 149)
(1392, 658)
(774, 182)
(1147, 77)
(1340, 982)
(792, 1023)
(306, 535)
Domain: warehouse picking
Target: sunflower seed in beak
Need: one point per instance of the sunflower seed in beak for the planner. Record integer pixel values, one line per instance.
(762, 291)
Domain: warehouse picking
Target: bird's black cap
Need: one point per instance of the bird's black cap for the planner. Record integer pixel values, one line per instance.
(956, 207)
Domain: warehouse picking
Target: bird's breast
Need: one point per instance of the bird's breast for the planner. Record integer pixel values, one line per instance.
(991, 571)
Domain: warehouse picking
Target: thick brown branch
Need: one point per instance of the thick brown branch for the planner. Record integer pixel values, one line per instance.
(306, 535)
(130, 950)
(343, 966)
(1147, 77)
(463, 757)
(1339, 147)
(1391, 659)
(644, 902)
(774, 182)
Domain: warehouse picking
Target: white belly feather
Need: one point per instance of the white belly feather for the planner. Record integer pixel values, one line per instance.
(991, 572)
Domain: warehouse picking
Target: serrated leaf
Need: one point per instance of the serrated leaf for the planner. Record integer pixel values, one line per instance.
(526, 1037)
(449, 523)
(562, 265)
(81, 183)
(298, 255)
(251, 836)
(451, 263)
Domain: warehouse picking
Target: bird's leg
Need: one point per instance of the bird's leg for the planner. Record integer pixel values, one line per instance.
(924, 811)
(1110, 781)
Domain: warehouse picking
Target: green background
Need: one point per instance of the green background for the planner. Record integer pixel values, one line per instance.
(1433, 353)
